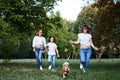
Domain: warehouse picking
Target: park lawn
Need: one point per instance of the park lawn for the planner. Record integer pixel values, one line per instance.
(26, 69)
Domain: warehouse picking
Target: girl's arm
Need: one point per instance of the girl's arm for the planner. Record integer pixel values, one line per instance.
(95, 48)
(44, 42)
(75, 42)
(33, 43)
(57, 52)
(46, 49)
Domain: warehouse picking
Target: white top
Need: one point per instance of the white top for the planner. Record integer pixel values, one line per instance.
(84, 40)
(51, 48)
(39, 41)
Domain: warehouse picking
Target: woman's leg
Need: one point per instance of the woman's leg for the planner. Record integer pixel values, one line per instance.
(82, 59)
(37, 55)
(82, 56)
(40, 57)
(87, 57)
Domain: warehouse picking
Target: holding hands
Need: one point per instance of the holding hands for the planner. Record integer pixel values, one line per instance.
(58, 55)
(95, 48)
(71, 42)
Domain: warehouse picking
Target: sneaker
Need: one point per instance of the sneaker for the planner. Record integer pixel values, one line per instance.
(41, 68)
(81, 66)
(49, 67)
(53, 70)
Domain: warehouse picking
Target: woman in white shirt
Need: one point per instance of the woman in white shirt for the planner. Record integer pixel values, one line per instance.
(85, 41)
(52, 51)
(39, 43)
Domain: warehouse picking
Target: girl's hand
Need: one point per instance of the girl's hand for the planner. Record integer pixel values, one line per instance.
(33, 49)
(44, 51)
(71, 41)
(58, 55)
(95, 48)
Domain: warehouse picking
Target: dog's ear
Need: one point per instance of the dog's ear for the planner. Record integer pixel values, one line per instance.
(66, 63)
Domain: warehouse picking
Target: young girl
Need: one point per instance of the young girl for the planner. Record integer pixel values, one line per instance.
(52, 51)
(39, 42)
(85, 40)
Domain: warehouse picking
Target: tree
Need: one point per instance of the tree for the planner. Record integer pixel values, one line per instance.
(103, 17)
(61, 32)
(87, 15)
(21, 13)
(9, 41)
(108, 17)
(22, 18)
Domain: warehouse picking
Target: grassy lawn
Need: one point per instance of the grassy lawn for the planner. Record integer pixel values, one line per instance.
(26, 69)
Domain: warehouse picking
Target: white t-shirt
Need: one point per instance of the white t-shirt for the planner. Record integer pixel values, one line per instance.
(39, 41)
(84, 39)
(51, 48)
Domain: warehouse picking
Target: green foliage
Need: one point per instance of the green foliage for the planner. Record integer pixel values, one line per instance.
(25, 48)
(9, 40)
(19, 19)
(103, 17)
(107, 19)
(21, 13)
(87, 15)
(60, 30)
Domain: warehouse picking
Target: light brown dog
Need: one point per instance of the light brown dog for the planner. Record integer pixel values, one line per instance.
(65, 69)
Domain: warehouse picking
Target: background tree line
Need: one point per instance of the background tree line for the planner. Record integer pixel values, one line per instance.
(19, 19)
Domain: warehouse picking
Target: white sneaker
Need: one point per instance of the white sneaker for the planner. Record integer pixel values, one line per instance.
(81, 66)
(49, 67)
(53, 70)
(41, 68)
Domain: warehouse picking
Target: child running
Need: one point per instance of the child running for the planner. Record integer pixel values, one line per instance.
(52, 51)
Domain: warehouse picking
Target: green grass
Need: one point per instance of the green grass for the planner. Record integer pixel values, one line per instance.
(26, 69)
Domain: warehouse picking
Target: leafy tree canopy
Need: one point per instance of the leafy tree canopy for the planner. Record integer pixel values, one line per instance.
(104, 19)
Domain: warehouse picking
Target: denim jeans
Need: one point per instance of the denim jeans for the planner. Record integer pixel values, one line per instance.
(51, 60)
(85, 54)
(38, 55)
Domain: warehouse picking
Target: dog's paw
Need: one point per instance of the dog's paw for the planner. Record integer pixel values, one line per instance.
(63, 76)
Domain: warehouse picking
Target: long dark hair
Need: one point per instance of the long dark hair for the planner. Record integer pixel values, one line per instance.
(50, 38)
(85, 27)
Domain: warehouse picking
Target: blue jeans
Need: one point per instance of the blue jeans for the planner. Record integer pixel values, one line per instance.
(38, 55)
(51, 60)
(85, 54)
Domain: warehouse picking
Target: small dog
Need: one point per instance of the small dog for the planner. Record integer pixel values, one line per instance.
(65, 69)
